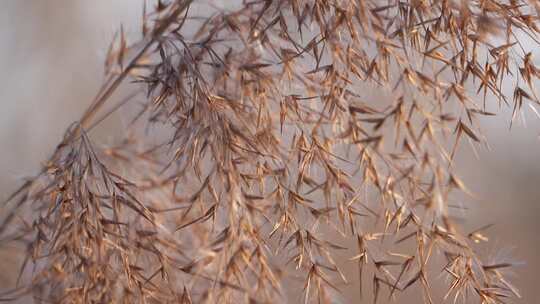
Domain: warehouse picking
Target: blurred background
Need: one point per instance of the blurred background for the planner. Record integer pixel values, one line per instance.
(51, 59)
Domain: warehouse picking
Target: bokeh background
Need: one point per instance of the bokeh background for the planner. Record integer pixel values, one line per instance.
(51, 60)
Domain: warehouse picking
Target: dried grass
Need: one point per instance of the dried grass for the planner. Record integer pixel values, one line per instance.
(258, 139)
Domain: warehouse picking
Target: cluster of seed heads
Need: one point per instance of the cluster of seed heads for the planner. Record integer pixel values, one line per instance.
(275, 138)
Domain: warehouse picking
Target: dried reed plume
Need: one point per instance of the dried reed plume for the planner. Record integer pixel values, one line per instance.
(270, 135)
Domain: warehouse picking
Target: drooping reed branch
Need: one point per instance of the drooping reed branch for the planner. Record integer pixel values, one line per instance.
(271, 135)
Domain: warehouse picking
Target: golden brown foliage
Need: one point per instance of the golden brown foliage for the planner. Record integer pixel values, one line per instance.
(258, 151)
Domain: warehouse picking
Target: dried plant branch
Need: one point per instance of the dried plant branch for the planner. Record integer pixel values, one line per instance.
(259, 154)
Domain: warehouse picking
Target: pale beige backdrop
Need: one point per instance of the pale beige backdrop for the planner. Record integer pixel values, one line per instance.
(51, 55)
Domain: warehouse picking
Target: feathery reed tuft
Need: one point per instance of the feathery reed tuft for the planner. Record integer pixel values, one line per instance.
(276, 137)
